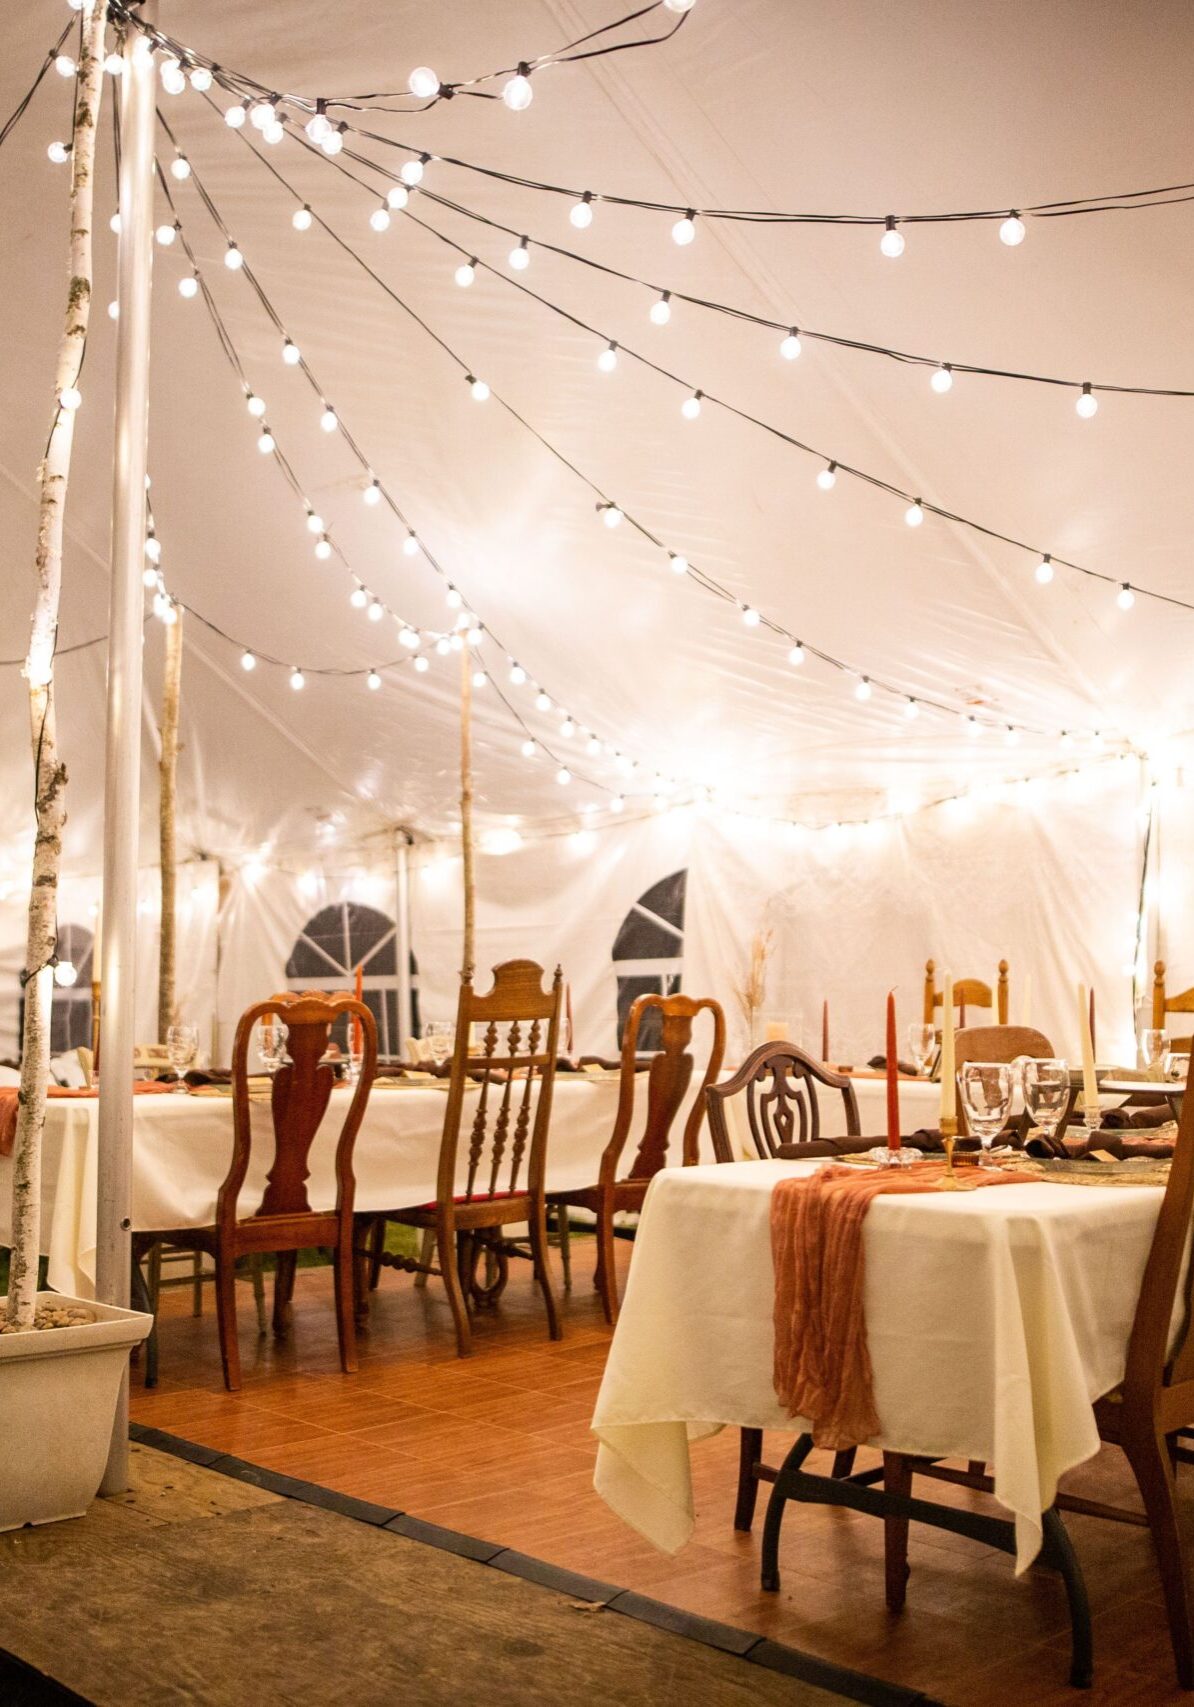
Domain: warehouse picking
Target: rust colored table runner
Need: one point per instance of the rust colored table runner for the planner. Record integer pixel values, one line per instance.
(822, 1365)
(9, 1105)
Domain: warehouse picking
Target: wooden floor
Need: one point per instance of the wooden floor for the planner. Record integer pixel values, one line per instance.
(498, 1446)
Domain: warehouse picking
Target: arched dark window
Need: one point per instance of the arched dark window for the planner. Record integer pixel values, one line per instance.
(334, 943)
(649, 950)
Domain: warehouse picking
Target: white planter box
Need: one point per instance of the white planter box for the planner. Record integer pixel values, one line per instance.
(58, 1390)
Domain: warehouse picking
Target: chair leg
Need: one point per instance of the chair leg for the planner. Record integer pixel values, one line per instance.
(843, 1462)
(153, 1278)
(449, 1266)
(346, 1329)
(226, 1319)
(257, 1273)
(1148, 1454)
(606, 1277)
(142, 1299)
(283, 1291)
(541, 1252)
(197, 1284)
(897, 1479)
(426, 1252)
(564, 1233)
(377, 1244)
(750, 1454)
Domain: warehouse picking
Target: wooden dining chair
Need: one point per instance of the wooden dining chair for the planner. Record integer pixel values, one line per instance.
(1146, 1415)
(494, 1147)
(1003, 1043)
(668, 1080)
(1183, 1003)
(284, 1222)
(968, 992)
(778, 1086)
(778, 1083)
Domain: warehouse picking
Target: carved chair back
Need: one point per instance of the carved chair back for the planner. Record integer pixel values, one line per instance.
(299, 1099)
(968, 992)
(780, 1084)
(499, 1097)
(1151, 1367)
(999, 1043)
(1183, 1003)
(668, 1079)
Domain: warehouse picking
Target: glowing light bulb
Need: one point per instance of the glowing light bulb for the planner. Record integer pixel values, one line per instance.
(943, 379)
(233, 259)
(317, 125)
(684, 229)
(914, 514)
(611, 515)
(973, 727)
(423, 82)
(273, 132)
(397, 197)
(297, 680)
(114, 224)
(827, 478)
(358, 598)
(581, 213)
(201, 78)
(517, 675)
(911, 710)
(750, 616)
(661, 311)
(1044, 570)
(302, 218)
(412, 171)
(113, 311)
(188, 286)
(453, 598)
(234, 118)
(790, 348)
(478, 388)
(333, 142)
(518, 93)
(679, 563)
(411, 546)
(617, 804)
(422, 664)
(409, 637)
(114, 65)
(164, 236)
(70, 398)
(529, 748)
(567, 729)
(153, 549)
(372, 493)
(379, 219)
(329, 420)
(323, 548)
(180, 168)
(892, 240)
(265, 443)
(679, 5)
(262, 113)
(1087, 404)
(65, 66)
(65, 973)
(479, 678)
(443, 646)
(593, 747)
(520, 256)
(542, 701)
(376, 611)
(173, 80)
(149, 577)
(373, 680)
(796, 655)
(475, 634)
(563, 776)
(466, 272)
(691, 406)
(1125, 598)
(58, 153)
(607, 361)
(1012, 231)
(255, 405)
(862, 688)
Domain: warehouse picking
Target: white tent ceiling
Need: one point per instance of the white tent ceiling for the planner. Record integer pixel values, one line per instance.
(755, 103)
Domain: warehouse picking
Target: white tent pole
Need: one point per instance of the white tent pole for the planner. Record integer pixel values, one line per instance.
(402, 924)
(122, 776)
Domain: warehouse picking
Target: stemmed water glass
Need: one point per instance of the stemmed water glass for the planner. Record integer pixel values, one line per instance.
(271, 1045)
(1046, 1093)
(182, 1046)
(922, 1045)
(1153, 1045)
(439, 1035)
(987, 1097)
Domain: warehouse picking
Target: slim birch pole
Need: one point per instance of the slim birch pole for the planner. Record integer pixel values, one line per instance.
(167, 775)
(49, 769)
(466, 808)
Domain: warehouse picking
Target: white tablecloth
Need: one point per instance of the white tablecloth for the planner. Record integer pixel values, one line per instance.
(182, 1146)
(994, 1318)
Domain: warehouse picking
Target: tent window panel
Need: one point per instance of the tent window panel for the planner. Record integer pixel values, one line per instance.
(648, 952)
(331, 946)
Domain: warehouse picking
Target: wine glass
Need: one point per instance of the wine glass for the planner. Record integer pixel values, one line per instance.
(922, 1044)
(1046, 1093)
(182, 1046)
(1153, 1045)
(1177, 1065)
(439, 1035)
(987, 1096)
(271, 1045)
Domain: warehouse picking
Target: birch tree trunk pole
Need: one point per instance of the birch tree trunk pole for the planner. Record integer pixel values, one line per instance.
(466, 808)
(49, 769)
(167, 774)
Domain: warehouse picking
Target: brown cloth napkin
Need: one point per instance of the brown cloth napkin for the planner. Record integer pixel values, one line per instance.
(822, 1365)
(9, 1106)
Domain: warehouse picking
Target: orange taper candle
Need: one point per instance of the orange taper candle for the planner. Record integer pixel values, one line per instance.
(893, 1077)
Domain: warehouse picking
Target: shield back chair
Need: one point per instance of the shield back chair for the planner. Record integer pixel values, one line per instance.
(1183, 1003)
(1147, 1414)
(284, 1222)
(668, 1080)
(968, 992)
(778, 1083)
(493, 1152)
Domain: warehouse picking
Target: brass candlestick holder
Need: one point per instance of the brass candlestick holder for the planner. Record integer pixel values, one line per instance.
(949, 1137)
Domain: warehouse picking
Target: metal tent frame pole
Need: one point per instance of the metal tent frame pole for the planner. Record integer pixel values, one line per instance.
(402, 945)
(122, 774)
